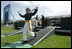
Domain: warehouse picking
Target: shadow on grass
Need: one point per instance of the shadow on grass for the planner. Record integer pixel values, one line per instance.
(63, 33)
(7, 43)
(14, 45)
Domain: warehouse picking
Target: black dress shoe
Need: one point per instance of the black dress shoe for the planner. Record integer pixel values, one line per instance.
(35, 35)
(24, 42)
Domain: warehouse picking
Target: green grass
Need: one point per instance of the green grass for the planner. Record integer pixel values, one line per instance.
(5, 29)
(55, 41)
(10, 39)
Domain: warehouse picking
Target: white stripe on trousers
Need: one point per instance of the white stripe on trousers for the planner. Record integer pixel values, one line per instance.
(27, 30)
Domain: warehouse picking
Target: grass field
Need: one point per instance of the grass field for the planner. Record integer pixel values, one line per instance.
(5, 29)
(9, 39)
(55, 41)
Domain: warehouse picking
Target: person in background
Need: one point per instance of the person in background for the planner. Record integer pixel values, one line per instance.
(36, 20)
(43, 20)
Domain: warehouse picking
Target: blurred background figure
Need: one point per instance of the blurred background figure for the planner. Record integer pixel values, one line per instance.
(36, 22)
(42, 20)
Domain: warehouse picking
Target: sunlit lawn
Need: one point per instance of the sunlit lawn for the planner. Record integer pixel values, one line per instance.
(55, 41)
(5, 29)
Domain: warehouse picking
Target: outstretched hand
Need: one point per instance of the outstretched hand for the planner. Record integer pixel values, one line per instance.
(18, 11)
(36, 7)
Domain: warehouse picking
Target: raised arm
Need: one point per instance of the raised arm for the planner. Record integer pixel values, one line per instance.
(34, 11)
(21, 15)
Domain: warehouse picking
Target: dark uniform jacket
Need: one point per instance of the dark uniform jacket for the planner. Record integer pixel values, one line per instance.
(28, 16)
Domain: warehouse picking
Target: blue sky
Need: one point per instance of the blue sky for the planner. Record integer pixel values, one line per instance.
(47, 8)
